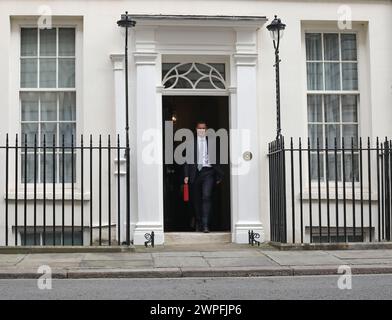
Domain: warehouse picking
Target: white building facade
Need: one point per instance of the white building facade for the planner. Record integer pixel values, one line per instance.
(69, 79)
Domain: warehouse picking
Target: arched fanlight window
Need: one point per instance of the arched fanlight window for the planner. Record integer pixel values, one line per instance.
(193, 75)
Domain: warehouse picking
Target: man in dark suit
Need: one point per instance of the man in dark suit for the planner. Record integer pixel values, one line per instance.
(202, 175)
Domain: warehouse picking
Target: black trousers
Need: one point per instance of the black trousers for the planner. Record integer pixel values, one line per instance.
(201, 190)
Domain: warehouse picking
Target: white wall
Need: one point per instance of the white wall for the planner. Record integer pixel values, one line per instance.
(102, 37)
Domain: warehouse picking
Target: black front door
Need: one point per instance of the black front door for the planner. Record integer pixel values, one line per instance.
(185, 111)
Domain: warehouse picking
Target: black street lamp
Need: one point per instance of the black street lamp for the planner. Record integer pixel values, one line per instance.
(276, 29)
(126, 22)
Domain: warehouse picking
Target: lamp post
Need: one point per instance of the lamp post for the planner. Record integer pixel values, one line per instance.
(276, 29)
(126, 22)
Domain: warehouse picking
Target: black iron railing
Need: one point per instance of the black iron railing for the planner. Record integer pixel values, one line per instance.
(330, 191)
(67, 194)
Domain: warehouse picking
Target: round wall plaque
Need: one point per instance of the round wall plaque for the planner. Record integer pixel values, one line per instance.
(247, 155)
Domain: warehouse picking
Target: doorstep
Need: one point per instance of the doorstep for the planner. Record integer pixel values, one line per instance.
(182, 238)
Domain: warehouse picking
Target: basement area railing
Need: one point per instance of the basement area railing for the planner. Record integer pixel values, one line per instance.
(330, 191)
(63, 190)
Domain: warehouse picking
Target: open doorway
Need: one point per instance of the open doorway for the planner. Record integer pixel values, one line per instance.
(186, 110)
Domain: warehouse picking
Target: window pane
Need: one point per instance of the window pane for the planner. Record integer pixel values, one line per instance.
(48, 106)
(66, 42)
(218, 83)
(315, 131)
(67, 167)
(66, 73)
(349, 108)
(351, 167)
(28, 73)
(67, 108)
(315, 113)
(47, 73)
(49, 238)
(48, 130)
(220, 67)
(313, 46)
(29, 106)
(317, 166)
(183, 83)
(184, 68)
(331, 47)
(331, 108)
(77, 238)
(350, 76)
(332, 76)
(29, 41)
(315, 76)
(166, 67)
(29, 130)
(332, 131)
(350, 131)
(202, 68)
(29, 176)
(68, 130)
(334, 165)
(170, 82)
(204, 83)
(48, 42)
(349, 47)
(28, 239)
(48, 167)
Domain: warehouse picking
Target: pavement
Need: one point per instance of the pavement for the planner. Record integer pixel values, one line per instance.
(221, 260)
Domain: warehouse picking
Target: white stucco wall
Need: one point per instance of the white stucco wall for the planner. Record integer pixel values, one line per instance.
(100, 37)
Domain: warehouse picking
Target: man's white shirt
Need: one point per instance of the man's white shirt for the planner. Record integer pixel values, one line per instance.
(202, 155)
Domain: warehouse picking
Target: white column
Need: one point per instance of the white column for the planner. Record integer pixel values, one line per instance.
(119, 102)
(245, 169)
(148, 149)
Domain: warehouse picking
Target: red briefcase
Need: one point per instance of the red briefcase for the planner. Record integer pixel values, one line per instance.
(186, 192)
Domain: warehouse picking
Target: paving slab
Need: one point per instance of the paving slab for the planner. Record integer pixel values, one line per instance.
(298, 258)
(52, 264)
(177, 254)
(61, 260)
(117, 256)
(116, 264)
(7, 260)
(361, 254)
(11, 257)
(55, 257)
(173, 261)
(231, 254)
(240, 262)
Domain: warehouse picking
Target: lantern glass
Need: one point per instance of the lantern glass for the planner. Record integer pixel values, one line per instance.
(277, 33)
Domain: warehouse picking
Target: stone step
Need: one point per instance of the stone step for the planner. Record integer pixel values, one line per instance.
(178, 238)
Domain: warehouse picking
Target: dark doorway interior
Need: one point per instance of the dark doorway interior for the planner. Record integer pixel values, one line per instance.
(187, 110)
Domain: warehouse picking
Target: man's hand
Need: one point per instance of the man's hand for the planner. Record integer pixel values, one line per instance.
(219, 181)
(186, 179)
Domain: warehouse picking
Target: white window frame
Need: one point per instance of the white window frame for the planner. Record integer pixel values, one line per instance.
(17, 23)
(57, 90)
(328, 29)
(178, 58)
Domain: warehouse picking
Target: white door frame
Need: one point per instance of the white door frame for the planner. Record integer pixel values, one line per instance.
(155, 41)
